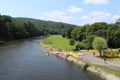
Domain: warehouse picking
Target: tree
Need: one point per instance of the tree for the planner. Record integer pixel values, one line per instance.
(63, 34)
(33, 31)
(68, 32)
(80, 34)
(113, 37)
(80, 45)
(88, 41)
(99, 43)
(72, 42)
(74, 33)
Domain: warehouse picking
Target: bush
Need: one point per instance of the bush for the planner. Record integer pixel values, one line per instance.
(72, 42)
(63, 34)
(80, 45)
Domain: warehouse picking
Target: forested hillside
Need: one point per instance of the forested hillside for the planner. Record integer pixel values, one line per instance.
(48, 26)
(12, 29)
(19, 28)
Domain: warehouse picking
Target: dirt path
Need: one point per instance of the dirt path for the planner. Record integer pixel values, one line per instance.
(92, 59)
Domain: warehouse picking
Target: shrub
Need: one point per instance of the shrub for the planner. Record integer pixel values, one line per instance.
(63, 34)
(80, 45)
(72, 42)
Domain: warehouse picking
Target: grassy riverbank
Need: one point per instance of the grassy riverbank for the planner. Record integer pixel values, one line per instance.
(58, 41)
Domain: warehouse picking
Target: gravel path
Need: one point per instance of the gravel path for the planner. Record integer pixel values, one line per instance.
(92, 59)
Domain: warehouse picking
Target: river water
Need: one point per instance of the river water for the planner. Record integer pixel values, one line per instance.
(26, 60)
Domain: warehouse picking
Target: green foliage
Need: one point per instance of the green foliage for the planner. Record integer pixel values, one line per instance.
(80, 45)
(11, 29)
(63, 34)
(74, 33)
(114, 36)
(99, 43)
(88, 41)
(72, 42)
(49, 27)
(86, 33)
(19, 28)
(68, 32)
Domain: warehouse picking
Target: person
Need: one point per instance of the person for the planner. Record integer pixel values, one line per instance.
(104, 60)
(78, 48)
(48, 54)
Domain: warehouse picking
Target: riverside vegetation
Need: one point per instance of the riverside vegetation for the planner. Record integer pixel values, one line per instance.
(19, 28)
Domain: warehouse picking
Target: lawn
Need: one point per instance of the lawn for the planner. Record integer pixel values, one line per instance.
(58, 41)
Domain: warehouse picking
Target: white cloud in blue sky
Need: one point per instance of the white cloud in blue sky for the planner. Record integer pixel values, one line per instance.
(74, 9)
(78, 12)
(96, 16)
(115, 17)
(97, 2)
(55, 16)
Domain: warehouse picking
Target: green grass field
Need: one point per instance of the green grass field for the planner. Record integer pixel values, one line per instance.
(58, 41)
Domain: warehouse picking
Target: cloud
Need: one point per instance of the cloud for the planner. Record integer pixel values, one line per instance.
(74, 9)
(62, 16)
(97, 2)
(68, 16)
(99, 14)
(115, 17)
(95, 16)
(55, 16)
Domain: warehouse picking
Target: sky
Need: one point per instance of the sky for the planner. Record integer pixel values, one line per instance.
(78, 12)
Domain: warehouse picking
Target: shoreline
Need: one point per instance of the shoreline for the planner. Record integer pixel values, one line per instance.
(84, 65)
(99, 72)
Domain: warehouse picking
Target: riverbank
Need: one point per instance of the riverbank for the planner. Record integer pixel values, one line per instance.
(102, 71)
(89, 67)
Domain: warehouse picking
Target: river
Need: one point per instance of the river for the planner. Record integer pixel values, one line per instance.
(27, 60)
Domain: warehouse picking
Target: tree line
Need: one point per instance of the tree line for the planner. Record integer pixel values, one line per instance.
(86, 34)
(49, 26)
(12, 29)
(19, 28)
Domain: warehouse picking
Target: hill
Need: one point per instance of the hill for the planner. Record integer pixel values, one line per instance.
(51, 26)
